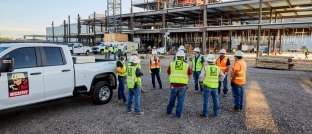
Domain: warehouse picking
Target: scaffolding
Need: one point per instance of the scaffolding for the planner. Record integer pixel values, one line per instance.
(114, 11)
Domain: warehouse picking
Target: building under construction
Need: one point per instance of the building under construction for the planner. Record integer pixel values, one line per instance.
(279, 24)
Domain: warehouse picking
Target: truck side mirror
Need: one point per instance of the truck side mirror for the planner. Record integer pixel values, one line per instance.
(7, 65)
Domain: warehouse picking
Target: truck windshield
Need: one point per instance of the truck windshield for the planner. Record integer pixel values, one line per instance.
(2, 49)
(70, 45)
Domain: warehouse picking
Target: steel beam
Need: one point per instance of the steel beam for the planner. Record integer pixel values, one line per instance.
(259, 27)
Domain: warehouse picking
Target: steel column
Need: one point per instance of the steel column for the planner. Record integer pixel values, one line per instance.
(259, 27)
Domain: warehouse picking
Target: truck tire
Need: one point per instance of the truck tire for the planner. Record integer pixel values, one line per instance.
(87, 53)
(102, 93)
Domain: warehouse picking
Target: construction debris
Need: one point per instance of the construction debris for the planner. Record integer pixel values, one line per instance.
(275, 62)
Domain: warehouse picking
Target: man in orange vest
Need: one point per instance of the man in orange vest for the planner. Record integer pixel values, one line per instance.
(155, 69)
(224, 63)
(238, 80)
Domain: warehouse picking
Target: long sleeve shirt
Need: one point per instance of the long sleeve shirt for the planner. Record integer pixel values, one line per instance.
(203, 73)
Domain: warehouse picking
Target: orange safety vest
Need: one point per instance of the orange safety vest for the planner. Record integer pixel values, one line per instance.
(240, 78)
(154, 64)
(222, 64)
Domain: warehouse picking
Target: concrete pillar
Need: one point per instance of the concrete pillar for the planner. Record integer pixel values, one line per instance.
(204, 27)
(259, 27)
(269, 42)
(163, 26)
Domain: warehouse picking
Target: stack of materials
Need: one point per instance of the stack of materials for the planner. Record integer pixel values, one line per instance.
(116, 37)
(275, 62)
(302, 65)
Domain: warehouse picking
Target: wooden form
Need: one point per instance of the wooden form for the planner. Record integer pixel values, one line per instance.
(275, 62)
(116, 37)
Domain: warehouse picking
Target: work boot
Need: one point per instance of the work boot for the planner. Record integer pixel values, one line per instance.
(235, 110)
(139, 113)
(143, 91)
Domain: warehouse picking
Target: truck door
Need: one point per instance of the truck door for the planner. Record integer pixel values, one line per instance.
(78, 49)
(58, 73)
(25, 84)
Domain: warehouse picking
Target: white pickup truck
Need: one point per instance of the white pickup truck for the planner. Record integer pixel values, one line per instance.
(32, 73)
(78, 48)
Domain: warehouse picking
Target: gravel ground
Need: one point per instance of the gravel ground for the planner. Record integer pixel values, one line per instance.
(277, 102)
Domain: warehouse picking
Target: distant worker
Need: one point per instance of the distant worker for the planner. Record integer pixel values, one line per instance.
(238, 80)
(234, 50)
(181, 48)
(224, 63)
(134, 83)
(125, 51)
(110, 50)
(106, 51)
(179, 73)
(115, 51)
(210, 77)
(121, 71)
(155, 69)
(154, 50)
(306, 53)
(132, 49)
(197, 65)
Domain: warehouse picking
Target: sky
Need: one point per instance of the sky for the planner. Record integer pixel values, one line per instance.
(24, 17)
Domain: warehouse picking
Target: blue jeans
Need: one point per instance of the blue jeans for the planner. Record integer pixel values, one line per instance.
(215, 97)
(238, 94)
(121, 89)
(115, 56)
(178, 93)
(158, 79)
(196, 80)
(225, 86)
(136, 92)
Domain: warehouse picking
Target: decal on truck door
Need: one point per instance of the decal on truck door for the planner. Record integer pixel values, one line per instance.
(18, 84)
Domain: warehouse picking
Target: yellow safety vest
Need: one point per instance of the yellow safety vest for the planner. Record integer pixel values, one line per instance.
(115, 49)
(106, 50)
(178, 72)
(211, 78)
(123, 68)
(132, 79)
(198, 65)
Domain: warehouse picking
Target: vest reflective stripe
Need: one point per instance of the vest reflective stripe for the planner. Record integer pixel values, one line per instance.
(198, 64)
(178, 72)
(154, 64)
(123, 68)
(222, 64)
(240, 78)
(211, 78)
(132, 80)
(106, 50)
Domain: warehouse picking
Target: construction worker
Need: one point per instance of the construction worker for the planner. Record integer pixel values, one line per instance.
(209, 78)
(115, 51)
(155, 69)
(181, 48)
(154, 50)
(197, 65)
(134, 83)
(238, 80)
(224, 63)
(306, 53)
(179, 73)
(121, 71)
(110, 50)
(125, 51)
(106, 51)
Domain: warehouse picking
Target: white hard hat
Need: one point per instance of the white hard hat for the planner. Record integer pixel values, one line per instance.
(196, 49)
(239, 53)
(211, 58)
(222, 51)
(154, 52)
(181, 47)
(18, 76)
(120, 47)
(180, 53)
(134, 53)
(134, 59)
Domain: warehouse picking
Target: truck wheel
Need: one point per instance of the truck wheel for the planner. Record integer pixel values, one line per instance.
(87, 53)
(102, 93)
